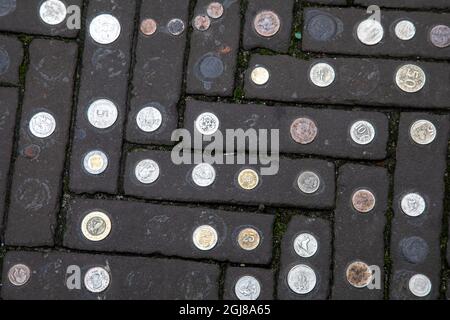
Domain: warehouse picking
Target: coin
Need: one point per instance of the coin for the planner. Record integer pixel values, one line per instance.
(175, 27)
(4, 61)
(207, 123)
(247, 288)
(363, 201)
(423, 132)
(260, 76)
(413, 204)
(102, 113)
(420, 285)
(362, 132)
(205, 237)
(249, 239)
(370, 32)
(96, 226)
(322, 74)
(405, 30)
(19, 274)
(359, 274)
(149, 119)
(42, 125)
(148, 26)
(410, 78)
(53, 12)
(322, 27)
(440, 36)
(97, 279)
(202, 22)
(305, 245)
(105, 29)
(303, 130)
(215, 10)
(248, 179)
(211, 67)
(147, 171)
(95, 162)
(301, 279)
(6, 7)
(308, 182)
(267, 23)
(414, 249)
(203, 174)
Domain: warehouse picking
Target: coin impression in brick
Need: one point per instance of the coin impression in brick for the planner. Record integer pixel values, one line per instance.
(322, 27)
(207, 123)
(405, 30)
(370, 32)
(205, 237)
(105, 29)
(304, 130)
(362, 132)
(147, 171)
(97, 279)
(247, 288)
(363, 200)
(215, 10)
(260, 76)
(267, 23)
(306, 245)
(308, 182)
(19, 274)
(420, 285)
(201, 22)
(175, 26)
(42, 125)
(148, 26)
(248, 179)
(96, 226)
(149, 119)
(440, 36)
(414, 249)
(203, 175)
(95, 162)
(413, 204)
(410, 78)
(423, 132)
(301, 279)
(102, 113)
(53, 12)
(249, 239)
(359, 274)
(322, 74)
(7, 7)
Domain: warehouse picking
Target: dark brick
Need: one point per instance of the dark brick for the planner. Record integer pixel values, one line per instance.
(264, 277)
(330, 2)
(11, 54)
(419, 4)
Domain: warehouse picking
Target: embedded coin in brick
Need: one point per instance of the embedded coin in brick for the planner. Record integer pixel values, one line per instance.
(202, 22)
(248, 179)
(362, 132)
(148, 26)
(96, 226)
(215, 10)
(147, 171)
(175, 27)
(440, 36)
(410, 78)
(95, 162)
(260, 76)
(308, 182)
(97, 279)
(6, 7)
(370, 32)
(102, 113)
(42, 125)
(423, 132)
(149, 119)
(405, 30)
(4, 61)
(363, 201)
(322, 27)
(322, 74)
(414, 249)
(53, 12)
(205, 237)
(207, 123)
(413, 204)
(203, 175)
(105, 29)
(249, 239)
(301, 279)
(305, 245)
(303, 130)
(19, 274)
(266, 23)
(359, 274)
(247, 288)
(420, 285)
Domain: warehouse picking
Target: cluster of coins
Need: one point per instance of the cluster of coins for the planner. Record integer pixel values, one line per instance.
(202, 21)
(149, 26)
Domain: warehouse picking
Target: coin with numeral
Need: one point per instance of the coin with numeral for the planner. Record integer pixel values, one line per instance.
(102, 113)
(105, 29)
(362, 132)
(322, 74)
(249, 239)
(410, 78)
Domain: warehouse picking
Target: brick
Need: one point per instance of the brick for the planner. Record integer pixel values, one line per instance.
(264, 277)
(11, 54)
(419, 4)
(39, 166)
(330, 2)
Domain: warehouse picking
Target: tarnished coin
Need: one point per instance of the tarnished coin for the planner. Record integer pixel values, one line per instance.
(207, 123)
(414, 249)
(211, 67)
(149, 119)
(410, 78)
(362, 132)
(359, 274)
(203, 174)
(301, 279)
(6, 7)
(95, 162)
(413, 204)
(305, 245)
(4, 61)
(303, 130)
(105, 29)
(322, 74)
(440, 36)
(205, 237)
(96, 226)
(248, 239)
(247, 288)
(148, 26)
(147, 171)
(405, 30)
(201, 22)
(215, 10)
(248, 179)
(423, 132)
(97, 279)
(322, 27)
(260, 76)
(19, 274)
(53, 12)
(102, 113)
(266, 23)
(175, 27)
(308, 182)
(420, 285)
(363, 201)
(370, 32)
(42, 125)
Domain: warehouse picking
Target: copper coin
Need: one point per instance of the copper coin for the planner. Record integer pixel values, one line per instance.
(359, 274)
(267, 23)
(148, 27)
(303, 130)
(202, 22)
(363, 201)
(215, 10)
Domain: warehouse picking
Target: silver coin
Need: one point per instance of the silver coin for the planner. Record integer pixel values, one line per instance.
(305, 245)
(308, 182)
(205, 237)
(207, 123)
(42, 125)
(302, 279)
(267, 23)
(97, 279)
(19, 274)
(370, 32)
(149, 119)
(260, 76)
(420, 285)
(95, 162)
(423, 132)
(53, 12)
(247, 288)
(96, 226)
(105, 29)
(362, 132)
(147, 171)
(413, 204)
(322, 74)
(440, 36)
(175, 27)
(6, 7)
(410, 78)
(102, 113)
(405, 30)
(203, 174)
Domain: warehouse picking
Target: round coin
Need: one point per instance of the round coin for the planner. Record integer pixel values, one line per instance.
(97, 279)
(148, 26)
(423, 132)
(53, 12)
(149, 119)
(362, 132)
(359, 274)
(19, 274)
(420, 285)
(370, 32)
(303, 130)
(266, 23)
(205, 238)
(440, 36)
(414, 249)
(308, 182)
(247, 288)
(102, 113)
(95, 162)
(105, 29)
(147, 171)
(248, 239)
(6, 7)
(207, 123)
(322, 27)
(363, 201)
(305, 245)
(203, 174)
(413, 204)
(301, 279)
(410, 78)
(96, 226)
(215, 10)
(42, 125)
(405, 30)
(202, 22)
(248, 179)
(260, 76)
(175, 27)
(322, 74)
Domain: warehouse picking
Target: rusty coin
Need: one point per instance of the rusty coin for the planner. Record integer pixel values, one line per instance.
(148, 27)
(363, 201)
(359, 274)
(303, 130)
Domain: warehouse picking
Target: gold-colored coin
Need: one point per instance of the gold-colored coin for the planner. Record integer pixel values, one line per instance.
(205, 237)
(249, 239)
(248, 179)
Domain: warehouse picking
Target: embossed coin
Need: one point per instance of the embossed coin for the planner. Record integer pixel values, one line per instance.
(42, 125)
(249, 239)
(301, 279)
(19, 274)
(148, 26)
(440, 36)
(149, 119)
(6, 7)
(370, 32)
(405, 30)
(420, 285)
(308, 182)
(363, 201)
(413, 204)
(322, 27)
(260, 76)
(215, 10)
(53, 12)
(362, 132)
(175, 27)
(359, 274)
(267, 23)
(203, 174)
(205, 237)
(248, 179)
(423, 132)
(105, 29)
(322, 74)
(102, 113)
(410, 78)
(95, 162)
(305, 245)
(96, 226)
(202, 22)
(147, 171)
(207, 123)
(247, 288)
(97, 279)
(303, 130)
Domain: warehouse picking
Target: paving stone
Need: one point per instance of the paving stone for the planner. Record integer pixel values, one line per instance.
(23, 16)
(264, 277)
(419, 4)
(415, 241)
(213, 53)
(11, 54)
(329, 2)
(104, 76)
(38, 169)
(359, 236)
(131, 278)
(320, 262)
(360, 81)
(333, 126)
(158, 72)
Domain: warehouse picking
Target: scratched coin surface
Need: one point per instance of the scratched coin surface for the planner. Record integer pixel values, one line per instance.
(363, 201)
(423, 132)
(148, 26)
(215, 10)
(97, 279)
(53, 12)
(359, 274)
(175, 27)
(440, 36)
(147, 171)
(362, 132)
(247, 288)
(303, 130)
(95, 162)
(420, 285)
(410, 78)
(260, 76)
(105, 29)
(42, 125)
(322, 74)
(202, 22)
(207, 123)
(102, 113)
(413, 204)
(308, 182)
(203, 175)
(301, 279)
(19, 274)
(205, 237)
(267, 23)
(370, 32)
(149, 119)
(405, 30)
(248, 179)
(249, 239)
(305, 245)
(96, 226)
